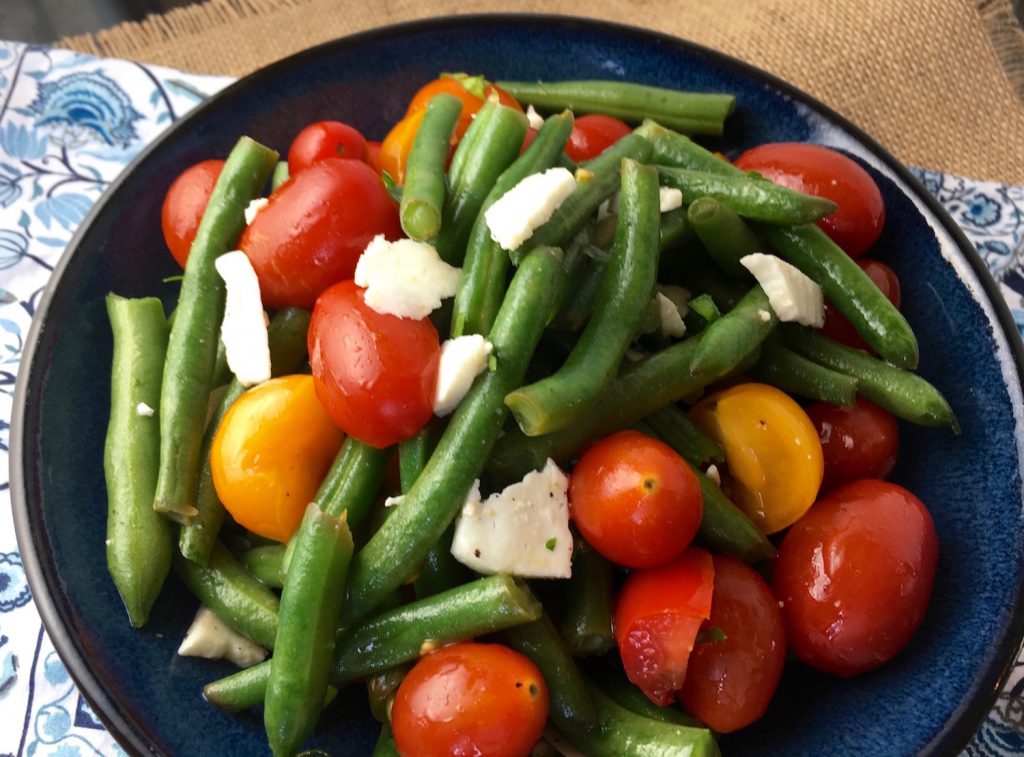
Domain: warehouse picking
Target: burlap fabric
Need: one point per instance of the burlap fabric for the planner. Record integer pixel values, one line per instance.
(936, 81)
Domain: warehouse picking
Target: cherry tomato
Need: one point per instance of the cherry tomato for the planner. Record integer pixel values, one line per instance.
(314, 229)
(472, 90)
(184, 205)
(270, 453)
(657, 615)
(592, 135)
(855, 576)
(859, 441)
(772, 451)
(470, 699)
(838, 328)
(635, 500)
(817, 170)
(373, 155)
(375, 373)
(730, 681)
(325, 139)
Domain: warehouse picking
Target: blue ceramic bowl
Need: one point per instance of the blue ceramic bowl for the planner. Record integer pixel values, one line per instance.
(931, 698)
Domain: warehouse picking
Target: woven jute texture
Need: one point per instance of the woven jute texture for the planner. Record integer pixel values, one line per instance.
(935, 81)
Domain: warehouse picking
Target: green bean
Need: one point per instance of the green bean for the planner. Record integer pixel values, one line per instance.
(485, 268)
(735, 335)
(423, 194)
(398, 548)
(139, 541)
(724, 234)
(676, 230)
(385, 746)
(221, 371)
(246, 688)
(286, 336)
(234, 596)
(413, 455)
(490, 145)
(266, 563)
(611, 680)
(726, 528)
(669, 148)
(748, 196)
(793, 373)
(307, 621)
(627, 288)
(352, 483)
(849, 289)
(192, 346)
(684, 436)
(580, 300)
(586, 604)
(901, 392)
(703, 313)
(725, 292)
(381, 688)
(280, 175)
(569, 705)
(693, 112)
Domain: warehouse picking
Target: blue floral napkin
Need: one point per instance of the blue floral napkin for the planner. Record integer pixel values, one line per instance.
(69, 123)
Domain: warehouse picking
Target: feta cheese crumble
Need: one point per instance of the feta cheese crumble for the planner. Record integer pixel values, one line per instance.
(244, 328)
(792, 295)
(405, 278)
(254, 207)
(144, 410)
(211, 638)
(534, 118)
(462, 360)
(669, 198)
(519, 212)
(671, 320)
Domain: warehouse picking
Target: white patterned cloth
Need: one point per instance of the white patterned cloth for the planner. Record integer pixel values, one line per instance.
(69, 123)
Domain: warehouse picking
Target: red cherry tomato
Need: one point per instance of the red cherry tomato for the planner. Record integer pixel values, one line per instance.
(817, 170)
(838, 328)
(657, 616)
(531, 134)
(592, 135)
(325, 139)
(855, 576)
(184, 205)
(374, 373)
(314, 229)
(730, 681)
(635, 500)
(373, 155)
(470, 699)
(860, 441)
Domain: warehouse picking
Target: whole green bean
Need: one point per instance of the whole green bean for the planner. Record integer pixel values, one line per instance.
(139, 541)
(192, 346)
(684, 436)
(586, 604)
(352, 483)
(580, 300)
(735, 335)
(280, 175)
(246, 688)
(793, 373)
(266, 563)
(670, 148)
(423, 194)
(724, 234)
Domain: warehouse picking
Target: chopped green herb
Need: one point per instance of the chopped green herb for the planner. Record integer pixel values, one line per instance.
(550, 544)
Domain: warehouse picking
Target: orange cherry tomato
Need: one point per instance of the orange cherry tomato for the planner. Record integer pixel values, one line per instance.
(772, 450)
(394, 150)
(184, 205)
(472, 90)
(270, 453)
(470, 699)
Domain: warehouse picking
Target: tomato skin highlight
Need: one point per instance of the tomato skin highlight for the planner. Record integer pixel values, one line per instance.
(730, 682)
(860, 441)
(855, 576)
(593, 134)
(839, 328)
(657, 615)
(325, 139)
(635, 500)
(820, 171)
(374, 373)
(184, 205)
(315, 227)
(470, 699)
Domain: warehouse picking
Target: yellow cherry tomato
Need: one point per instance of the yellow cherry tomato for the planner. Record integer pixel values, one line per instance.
(771, 448)
(272, 450)
(394, 150)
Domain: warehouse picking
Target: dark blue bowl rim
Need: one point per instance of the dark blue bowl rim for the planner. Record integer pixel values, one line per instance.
(53, 606)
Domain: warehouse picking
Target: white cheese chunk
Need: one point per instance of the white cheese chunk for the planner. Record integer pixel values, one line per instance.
(394, 501)
(211, 638)
(671, 321)
(462, 360)
(680, 297)
(713, 473)
(144, 410)
(534, 118)
(244, 328)
(521, 531)
(254, 207)
(405, 278)
(792, 295)
(669, 198)
(519, 212)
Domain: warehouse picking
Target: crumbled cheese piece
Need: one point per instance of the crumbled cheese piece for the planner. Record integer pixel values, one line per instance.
(669, 198)
(254, 207)
(671, 321)
(680, 297)
(535, 118)
(713, 474)
(462, 360)
(394, 501)
(514, 217)
(244, 328)
(522, 530)
(792, 295)
(211, 638)
(634, 356)
(144, 410)
(405, 278)
(764, 315)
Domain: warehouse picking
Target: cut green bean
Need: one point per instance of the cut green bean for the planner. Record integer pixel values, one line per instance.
(192, 347)
(246, 688)
(735, 335)
(724, 234)
(280, 175)
(266, 563)
(684, 436)
(586, 604)
(423, 193)
(139, 540)
(669, 148)
(795, 374)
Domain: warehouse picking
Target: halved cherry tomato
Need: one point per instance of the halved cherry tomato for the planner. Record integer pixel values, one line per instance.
(325, 139)
(593, 134)
(817, 170)
(184, 205)
(314, 229)
(470, 699)
(270, 453)
(855, 576)
(635, 500)
(838, 327)
(730, 681)
(772, 451)
(472, 90)
(859, 441)
(657, 615)
(375, 373)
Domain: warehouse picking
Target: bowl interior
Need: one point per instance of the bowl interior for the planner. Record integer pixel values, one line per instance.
(931, 697)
